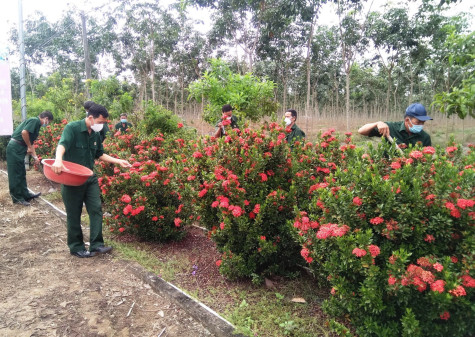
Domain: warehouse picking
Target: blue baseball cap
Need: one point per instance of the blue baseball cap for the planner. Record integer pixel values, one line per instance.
(418, 111)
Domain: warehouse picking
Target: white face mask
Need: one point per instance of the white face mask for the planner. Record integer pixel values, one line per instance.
(97, 127)
(287, 121)
(228, 118)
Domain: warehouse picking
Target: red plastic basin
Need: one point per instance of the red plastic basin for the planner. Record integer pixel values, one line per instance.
(74, 175)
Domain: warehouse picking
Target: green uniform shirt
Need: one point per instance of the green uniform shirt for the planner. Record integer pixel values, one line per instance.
(81, 147)
(32, 125)
(123, 126)
(295, 134)
(397, 130)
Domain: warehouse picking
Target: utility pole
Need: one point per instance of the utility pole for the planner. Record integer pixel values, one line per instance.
(22, 73)
(22, 61)
(87, 61)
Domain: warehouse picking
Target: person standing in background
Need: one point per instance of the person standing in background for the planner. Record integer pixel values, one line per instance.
(123, 125)
(227, 119)
(294, 133)
(20, 144)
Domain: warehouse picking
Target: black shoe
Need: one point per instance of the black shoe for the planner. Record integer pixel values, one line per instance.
(82, 254)
(22, 202)
(101, 250)
(33, 196)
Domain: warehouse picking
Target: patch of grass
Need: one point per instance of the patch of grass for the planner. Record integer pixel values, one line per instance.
(271, 312)
(53, 196)
(167, 270)
(256, 310)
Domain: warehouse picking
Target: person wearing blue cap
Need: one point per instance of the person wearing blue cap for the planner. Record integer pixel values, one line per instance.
(408, 131)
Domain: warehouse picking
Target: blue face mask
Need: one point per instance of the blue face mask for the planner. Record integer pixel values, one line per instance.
(123, 120)
(415, 128)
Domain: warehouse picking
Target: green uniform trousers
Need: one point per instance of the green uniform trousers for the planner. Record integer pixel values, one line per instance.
(16, 171)
(73, 198)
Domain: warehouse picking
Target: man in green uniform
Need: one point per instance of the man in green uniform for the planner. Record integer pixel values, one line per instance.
(20, 144)
(294, 133)
(81, 143)
(227, 119)
(123, 125)
(408, 131)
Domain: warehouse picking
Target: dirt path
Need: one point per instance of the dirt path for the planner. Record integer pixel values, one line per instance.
(44, 291)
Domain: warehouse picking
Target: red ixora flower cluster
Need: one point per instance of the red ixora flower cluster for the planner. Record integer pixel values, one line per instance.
(359, 252)
(445, 315)
(357, 201)
(304, 224)
(317, 186)
(451, 149)
(133, 211)
(376, 221)
(416, 154)
(177, 222)
(305, 254)
(468, 281)
(373, 250)
(331, 229)
(462, 204)
(126, 198)
(428, 150)
(223, 202)
(423, 275)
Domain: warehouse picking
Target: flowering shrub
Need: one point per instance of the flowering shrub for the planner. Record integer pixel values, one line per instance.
(394, 237)
(143, 201)
(241, 191)
(313, 163)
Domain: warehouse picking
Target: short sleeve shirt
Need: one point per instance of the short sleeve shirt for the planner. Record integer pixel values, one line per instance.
(32, 125)
(81, 146)
(398, 132)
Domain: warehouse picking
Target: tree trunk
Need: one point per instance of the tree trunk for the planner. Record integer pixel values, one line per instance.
(337, 96)
(388, 92)
(284, 104)
(315, 98)
(166, 93)
(159, 93)
(152, 69)
(175, 94)
(309, 48)
(347, 89)
(182, 89)
(145, 86)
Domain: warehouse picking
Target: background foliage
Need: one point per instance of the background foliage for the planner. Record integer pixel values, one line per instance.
(370, 63)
